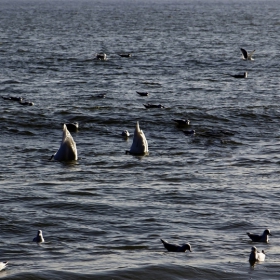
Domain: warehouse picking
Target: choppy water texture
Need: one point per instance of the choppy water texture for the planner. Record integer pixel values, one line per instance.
(103, 216)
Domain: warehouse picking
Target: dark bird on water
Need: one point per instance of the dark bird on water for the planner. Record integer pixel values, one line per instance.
(181, 121)
(153, 105)
(240, 76)
(125, 54)
(260, 238)
(175, 247)
(143, 93)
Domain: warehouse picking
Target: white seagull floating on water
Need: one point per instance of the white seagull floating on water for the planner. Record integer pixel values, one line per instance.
(140, 144)
(39, 238)
(246, 55)
(256, 256)
(67, 150)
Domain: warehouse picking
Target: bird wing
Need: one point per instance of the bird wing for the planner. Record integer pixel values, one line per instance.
(251, 53)
(254, 237)
(244, 53)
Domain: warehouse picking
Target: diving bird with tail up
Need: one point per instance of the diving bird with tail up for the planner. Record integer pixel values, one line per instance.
(139, 145)
(67, 150)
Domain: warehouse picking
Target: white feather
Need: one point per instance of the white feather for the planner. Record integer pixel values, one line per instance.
(140, 144)
(67, 150)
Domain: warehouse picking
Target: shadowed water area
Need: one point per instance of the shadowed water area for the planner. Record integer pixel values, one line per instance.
(103, 216)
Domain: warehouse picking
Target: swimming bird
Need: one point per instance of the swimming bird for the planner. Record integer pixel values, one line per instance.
(139, 144)
(189, 132)
(101, 56)
(3, 265)
(125, 133)
(143, 93)
(256, 256)
(26, 103)
(72, 126)
(175, 247)
(181, 121)
(67, 150)
(39, 238)
(260, 238)
(153, 105)
(246, 55)
(240, 76)
(125, 54)
(13, 98)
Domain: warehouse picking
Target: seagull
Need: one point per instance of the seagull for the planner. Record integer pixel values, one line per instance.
(26, 103)
(67, 150)
(13, 98)
(153, 105)
(72, 126)
(256, 256)
(125, 133)
(246, 55)
(240, 76)
(3, 265)
(140, 144)
(39, 238)
(101, 56)
(143, 93)
(175, 247)
(125, 54)
(260, 238)
(181, 121)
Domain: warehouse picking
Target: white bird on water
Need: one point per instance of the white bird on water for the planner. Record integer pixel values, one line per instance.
(3, 265)
(67, 150)
(140, 144)
(256, 256)
(39, 238)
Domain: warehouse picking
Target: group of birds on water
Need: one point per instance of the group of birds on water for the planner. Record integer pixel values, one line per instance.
(68, 152)
(255, 255)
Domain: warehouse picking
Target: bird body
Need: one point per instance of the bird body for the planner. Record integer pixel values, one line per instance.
(140, 144)
(256, 255)
(240, 76)
(246, 55)
(39, 238)
(67, 150)
(175, 247)
(143, 93)
(125, 54)
(101, 56)
(189, 132)
(182, 121)
(153, 105)
(260, 238)
(3, 265)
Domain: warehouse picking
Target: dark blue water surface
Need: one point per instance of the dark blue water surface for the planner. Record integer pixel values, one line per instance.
(103, 216)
